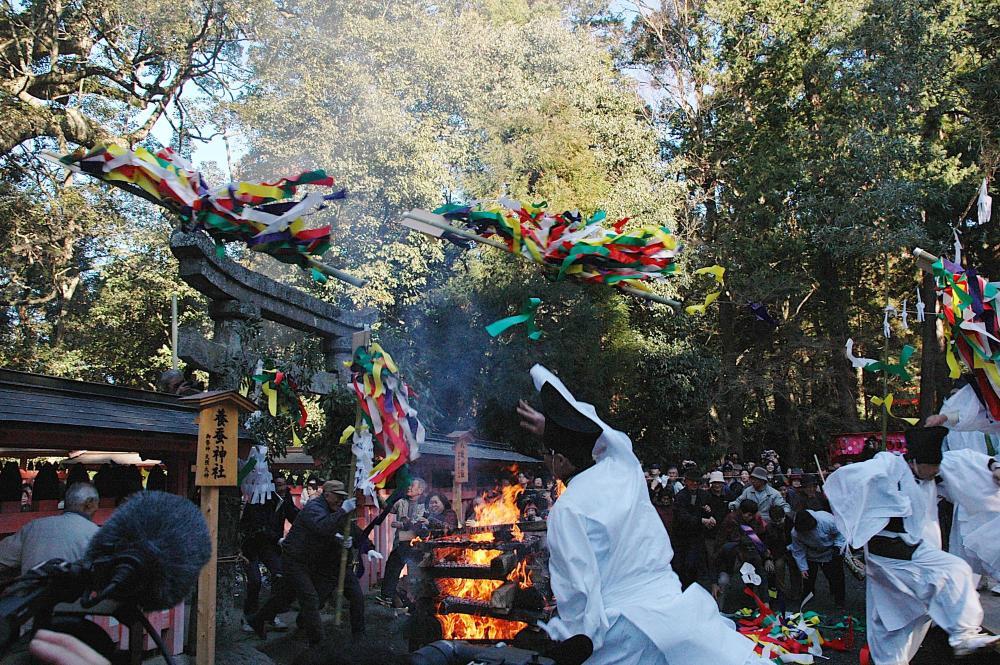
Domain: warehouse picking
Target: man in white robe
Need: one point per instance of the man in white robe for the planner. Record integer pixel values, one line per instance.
(970, 429)
(609, 554)
(889, 506)
(971, 481)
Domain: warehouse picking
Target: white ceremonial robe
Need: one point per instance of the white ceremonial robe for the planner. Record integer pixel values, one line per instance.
(975, 534)
(903, 596)
(609, 560)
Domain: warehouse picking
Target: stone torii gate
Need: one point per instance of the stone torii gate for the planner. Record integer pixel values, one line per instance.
(236, 295)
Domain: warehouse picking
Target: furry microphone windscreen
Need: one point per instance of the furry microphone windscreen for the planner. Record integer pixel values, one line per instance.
(168, 534)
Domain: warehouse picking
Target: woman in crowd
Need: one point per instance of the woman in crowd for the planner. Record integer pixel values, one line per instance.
(441, 520)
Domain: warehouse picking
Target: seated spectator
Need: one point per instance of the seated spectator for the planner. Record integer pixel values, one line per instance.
(439, 519)
(63, 536)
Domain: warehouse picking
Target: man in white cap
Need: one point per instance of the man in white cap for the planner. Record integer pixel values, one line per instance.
(888, 505)
(761, 493)
(609, 558)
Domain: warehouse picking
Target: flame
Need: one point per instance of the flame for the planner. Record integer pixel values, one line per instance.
(559, 489)
(495, 511)
(472, 627)
(521, 575)
(501, 509)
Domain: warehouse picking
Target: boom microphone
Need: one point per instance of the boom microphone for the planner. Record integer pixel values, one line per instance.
(147, 556)
(150, 551)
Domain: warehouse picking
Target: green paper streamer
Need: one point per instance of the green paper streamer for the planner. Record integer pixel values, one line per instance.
(899, 369)
(245, 471)
(527, 316)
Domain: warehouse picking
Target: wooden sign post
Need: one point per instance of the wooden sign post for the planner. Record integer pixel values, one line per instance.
(461, 474)
(215, 467)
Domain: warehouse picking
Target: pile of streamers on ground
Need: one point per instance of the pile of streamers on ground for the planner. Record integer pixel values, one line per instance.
(257, 214)
(574, 245)
(283, 396)
(385, 403)
(795, 637)
(968, 304)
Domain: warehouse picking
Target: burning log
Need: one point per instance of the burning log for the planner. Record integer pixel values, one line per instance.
(525, 546)
(476, 584)
(452, 605)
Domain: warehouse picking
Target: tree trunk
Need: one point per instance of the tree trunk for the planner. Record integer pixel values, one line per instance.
(733, 404)
(932, 358)
(834, 321)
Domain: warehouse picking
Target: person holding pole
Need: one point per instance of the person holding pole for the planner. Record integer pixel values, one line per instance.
(310, 548)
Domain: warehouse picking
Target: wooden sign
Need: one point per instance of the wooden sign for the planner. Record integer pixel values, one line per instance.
(218, 434)
(218, 431)
(462, 461)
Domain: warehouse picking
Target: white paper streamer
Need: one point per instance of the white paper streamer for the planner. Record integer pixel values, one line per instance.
(886, 328)
(856, 362)
(920, 307)
(985, 206)
(904, 314)
(364, 453)
(258, 486)
(958, 248)
(749, 574)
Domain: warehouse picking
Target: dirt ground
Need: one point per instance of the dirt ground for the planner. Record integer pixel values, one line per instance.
(385, 640)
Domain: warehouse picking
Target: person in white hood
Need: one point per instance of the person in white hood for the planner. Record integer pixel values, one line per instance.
(609, 557)
(888, 505)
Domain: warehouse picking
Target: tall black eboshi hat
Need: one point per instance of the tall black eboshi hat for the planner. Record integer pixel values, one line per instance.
(923, 444)
(567, 431)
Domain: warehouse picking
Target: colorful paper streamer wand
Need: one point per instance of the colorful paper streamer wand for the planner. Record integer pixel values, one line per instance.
(282, 395)
(264, 216)
(566, 244)
(527, 317)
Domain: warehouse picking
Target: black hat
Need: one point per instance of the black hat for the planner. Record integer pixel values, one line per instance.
(923, 445)
(809, 480)
(567, 431)
(692, 474)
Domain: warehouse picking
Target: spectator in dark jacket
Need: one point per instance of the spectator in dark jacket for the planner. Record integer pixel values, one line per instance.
(312, 550)
(780, 568)
(693, 522)
(262, 526)
(810, 497)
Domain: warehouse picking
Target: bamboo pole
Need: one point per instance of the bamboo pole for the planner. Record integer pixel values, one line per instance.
(924, 259)
(437, 226)
(358, 340)
(173, 331)
(822, 478)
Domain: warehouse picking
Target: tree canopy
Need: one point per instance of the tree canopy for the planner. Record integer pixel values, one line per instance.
(806, 147)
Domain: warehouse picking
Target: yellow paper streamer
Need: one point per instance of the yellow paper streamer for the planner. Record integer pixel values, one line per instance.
(717, 271)
(887, 403)
(700, 309)
(272, 398)
(348, 433)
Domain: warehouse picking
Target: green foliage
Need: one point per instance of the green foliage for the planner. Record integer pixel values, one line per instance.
(804, 146)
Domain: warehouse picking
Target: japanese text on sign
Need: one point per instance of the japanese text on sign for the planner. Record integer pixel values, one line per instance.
(217, 432)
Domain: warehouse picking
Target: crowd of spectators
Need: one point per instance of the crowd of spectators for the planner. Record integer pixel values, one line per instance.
(761, 513)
